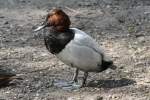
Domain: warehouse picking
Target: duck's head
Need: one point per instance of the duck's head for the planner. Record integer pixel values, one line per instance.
(57, 19)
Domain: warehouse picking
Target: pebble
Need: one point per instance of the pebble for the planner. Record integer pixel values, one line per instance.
(2, 17)
(6, 23)
(141, 39)
(91, 97)
(95, 97)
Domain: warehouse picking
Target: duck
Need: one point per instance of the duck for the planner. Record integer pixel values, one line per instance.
(73, 46)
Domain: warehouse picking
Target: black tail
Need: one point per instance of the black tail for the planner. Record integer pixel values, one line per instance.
(107, 64)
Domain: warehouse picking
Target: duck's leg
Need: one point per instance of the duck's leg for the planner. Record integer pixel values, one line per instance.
(84, 79)
(71, 85)
(75, 77)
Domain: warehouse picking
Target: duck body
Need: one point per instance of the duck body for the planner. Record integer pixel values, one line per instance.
(77, 49)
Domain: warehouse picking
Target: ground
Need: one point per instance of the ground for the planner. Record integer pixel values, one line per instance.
(121, 27)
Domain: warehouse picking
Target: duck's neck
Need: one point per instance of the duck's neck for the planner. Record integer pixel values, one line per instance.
(56, 41)
(53, 30)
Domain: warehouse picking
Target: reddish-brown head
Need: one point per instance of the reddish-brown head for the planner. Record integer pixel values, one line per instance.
(57, 19)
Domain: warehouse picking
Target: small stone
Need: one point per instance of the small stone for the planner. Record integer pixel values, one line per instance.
(2, 17)
(141, 39)
(95, 97)
(7, 92)
(74, 98)
(99, 98)
(6, 23)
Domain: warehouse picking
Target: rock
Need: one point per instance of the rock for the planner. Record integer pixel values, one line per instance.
(74, 98)
(2, 17)
(84, 97)
(141, 39)
(6, 23)
(95, 97)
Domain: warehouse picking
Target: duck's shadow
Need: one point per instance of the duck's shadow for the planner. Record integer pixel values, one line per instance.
(111, 83)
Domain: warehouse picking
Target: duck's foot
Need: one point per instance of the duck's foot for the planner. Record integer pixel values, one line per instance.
(66, 85)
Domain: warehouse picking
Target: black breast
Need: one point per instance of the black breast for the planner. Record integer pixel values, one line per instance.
(56, 41)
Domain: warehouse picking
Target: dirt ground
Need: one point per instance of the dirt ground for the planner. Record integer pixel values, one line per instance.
(121, 27)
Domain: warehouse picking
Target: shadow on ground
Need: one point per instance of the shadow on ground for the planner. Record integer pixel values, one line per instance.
(111, 83)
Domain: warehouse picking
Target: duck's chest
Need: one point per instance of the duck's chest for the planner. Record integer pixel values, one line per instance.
(55, 42)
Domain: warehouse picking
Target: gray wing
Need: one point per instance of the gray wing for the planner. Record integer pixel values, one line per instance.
(81, 38)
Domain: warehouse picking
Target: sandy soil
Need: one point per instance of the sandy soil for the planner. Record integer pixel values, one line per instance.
(120, 26)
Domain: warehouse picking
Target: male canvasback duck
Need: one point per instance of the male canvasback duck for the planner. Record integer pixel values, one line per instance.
(73, 46)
